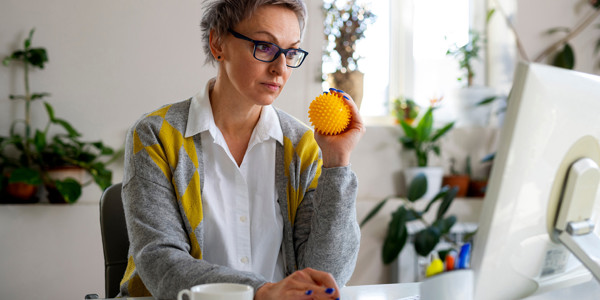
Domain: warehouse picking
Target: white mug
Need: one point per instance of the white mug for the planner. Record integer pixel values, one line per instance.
(218, 291)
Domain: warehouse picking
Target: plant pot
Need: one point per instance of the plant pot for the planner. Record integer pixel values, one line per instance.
(477, 188)
(460, 181)
(62, 173)
(20, 193)
(434, 179)
(349, 82)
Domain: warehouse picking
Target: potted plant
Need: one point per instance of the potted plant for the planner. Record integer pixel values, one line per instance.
(345, 25)
(29, 156)
(457, 179)
(423, 140)
(405, 109)
(426, 239)
(466, 99)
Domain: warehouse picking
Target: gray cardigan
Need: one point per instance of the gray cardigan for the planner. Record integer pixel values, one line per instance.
(163, 207)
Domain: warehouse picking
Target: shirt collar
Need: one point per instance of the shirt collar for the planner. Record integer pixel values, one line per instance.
(200, 118)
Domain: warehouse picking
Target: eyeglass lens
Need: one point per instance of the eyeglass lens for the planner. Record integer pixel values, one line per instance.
(267, 52)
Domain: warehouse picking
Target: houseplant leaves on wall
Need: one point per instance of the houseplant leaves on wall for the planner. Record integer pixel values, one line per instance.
(426, 239)
(28, 154)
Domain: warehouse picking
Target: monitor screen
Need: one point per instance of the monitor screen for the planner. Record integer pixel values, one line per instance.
(552, 121)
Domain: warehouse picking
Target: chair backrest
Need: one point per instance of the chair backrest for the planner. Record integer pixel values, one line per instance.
(114, 239)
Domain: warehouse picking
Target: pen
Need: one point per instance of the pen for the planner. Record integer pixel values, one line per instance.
(435, 267)
(465, 256)
(450, 260)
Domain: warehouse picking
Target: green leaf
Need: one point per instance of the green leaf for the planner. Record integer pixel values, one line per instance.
(374, 211)
(396, 236)
(407, 142)
(37, 57)
(69, 188)
(27, 42)
(489, 157)
(558, 29)
(39, 140)
(486, 101)
(39, 96)
(426, 240)
(443, 191)
(102, 176)
(6, 61)
(25, 175)
(412, 215)
(489, 15)
(70, 130)
(50, 111)
(444, 225)
(446, 202)
(417, 187)
(467, 237)
(425, 125)
(440, 132)
(409, 131)
(565, 58)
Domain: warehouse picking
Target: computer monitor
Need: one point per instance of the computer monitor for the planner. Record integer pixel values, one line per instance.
(547, 161)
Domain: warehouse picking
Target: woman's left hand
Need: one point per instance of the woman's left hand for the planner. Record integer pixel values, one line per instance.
(336, 149)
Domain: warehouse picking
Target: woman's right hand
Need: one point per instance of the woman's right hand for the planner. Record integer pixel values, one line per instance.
(303, 284)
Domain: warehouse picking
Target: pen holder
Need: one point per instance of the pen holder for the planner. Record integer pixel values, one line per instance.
(451, 285)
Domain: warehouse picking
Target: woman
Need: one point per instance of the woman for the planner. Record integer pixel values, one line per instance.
(223, 187)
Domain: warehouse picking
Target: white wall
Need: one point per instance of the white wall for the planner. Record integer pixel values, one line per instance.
(113, 60)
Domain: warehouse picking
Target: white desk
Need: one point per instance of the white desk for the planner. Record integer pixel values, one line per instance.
(399, 291)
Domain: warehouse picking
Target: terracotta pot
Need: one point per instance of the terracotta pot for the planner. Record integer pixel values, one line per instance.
(19, 192)
(477, 188)
(62, 173)
(460, 181)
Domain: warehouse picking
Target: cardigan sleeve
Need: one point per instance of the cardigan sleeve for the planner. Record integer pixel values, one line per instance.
(326, 231)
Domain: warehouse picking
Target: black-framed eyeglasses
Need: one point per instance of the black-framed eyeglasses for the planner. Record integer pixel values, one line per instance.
(268, 52)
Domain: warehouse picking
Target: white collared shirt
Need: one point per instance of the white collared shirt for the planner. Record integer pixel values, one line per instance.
(242, 219)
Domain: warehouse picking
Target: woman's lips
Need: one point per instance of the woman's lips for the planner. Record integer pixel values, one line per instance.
(272, 86)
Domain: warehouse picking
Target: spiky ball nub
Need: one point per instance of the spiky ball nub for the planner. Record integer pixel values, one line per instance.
(329, 114)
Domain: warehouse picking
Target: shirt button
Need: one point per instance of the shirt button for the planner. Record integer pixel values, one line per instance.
(243, 219)
(244, 260)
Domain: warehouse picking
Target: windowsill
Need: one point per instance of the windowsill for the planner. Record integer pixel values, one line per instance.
(379, 121)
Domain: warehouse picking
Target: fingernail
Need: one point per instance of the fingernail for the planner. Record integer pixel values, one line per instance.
(308, 293)
(325, 93)
(346, 98)
(329, 291)
(340, 91)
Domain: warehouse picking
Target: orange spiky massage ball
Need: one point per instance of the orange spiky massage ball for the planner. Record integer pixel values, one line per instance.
(329, 114)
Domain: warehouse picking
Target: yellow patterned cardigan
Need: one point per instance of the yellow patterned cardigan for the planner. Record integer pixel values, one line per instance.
(162, 190)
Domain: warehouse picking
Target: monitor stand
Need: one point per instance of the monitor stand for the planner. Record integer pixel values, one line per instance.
(573, 227)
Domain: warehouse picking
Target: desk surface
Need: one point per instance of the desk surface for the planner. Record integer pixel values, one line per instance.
(405, 291)
(380, 291)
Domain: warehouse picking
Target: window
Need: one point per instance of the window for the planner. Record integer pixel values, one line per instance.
(404, 51)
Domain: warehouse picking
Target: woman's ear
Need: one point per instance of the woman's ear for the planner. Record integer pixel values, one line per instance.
(216, 45)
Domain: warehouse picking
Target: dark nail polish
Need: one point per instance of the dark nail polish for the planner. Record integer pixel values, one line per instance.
(308, 293)
(329, 291)
(346, 98)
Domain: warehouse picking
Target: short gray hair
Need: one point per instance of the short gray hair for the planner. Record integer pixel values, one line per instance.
(221, 15)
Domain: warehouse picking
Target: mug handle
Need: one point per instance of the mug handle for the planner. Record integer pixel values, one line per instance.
(184, 292)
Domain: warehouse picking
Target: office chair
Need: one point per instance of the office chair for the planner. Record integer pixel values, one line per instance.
(114, 238)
